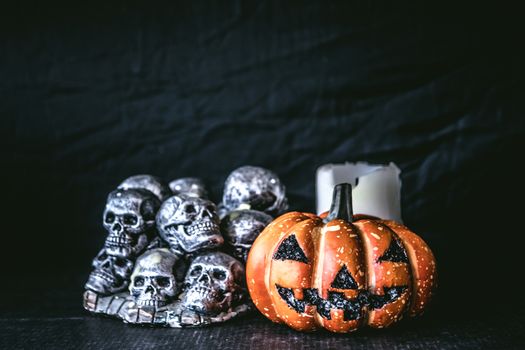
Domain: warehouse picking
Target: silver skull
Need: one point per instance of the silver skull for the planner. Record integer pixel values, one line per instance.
(214, 282)
(153, 281)
(256, 188)
(129, 218)
(190, 186)
(147, 182)
(240, 228)
(110, 275)
(189, 224)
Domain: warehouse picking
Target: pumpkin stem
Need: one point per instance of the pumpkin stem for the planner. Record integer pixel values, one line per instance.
(341, 207)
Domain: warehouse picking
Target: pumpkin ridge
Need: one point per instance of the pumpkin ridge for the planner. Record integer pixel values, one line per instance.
(338, 238)
(378, 239)
(412, 268)
(273, 286)
(417, 250)
(364, 262)
(256, 271)
(396, 240)
(317, 266)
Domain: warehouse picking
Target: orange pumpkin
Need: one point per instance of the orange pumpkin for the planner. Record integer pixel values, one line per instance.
(339, 271)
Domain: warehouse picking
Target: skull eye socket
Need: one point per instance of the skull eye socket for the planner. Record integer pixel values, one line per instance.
(163, 282)
(110, 217)
(190, 208)
(148, 209)
(120, 262)
(139, 282)
(219, 274)
(130, 219)
(262, 201)
(196, 271)
(102, 256)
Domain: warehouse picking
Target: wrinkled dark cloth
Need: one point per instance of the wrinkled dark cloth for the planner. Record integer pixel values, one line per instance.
(92, 94)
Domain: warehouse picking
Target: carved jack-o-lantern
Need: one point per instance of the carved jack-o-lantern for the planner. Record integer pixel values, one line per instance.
(339, 271)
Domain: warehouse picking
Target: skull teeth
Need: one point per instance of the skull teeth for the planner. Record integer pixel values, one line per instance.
(201, 289)
(104, 276)
(118, 241)
(149, 302)
(201, 227)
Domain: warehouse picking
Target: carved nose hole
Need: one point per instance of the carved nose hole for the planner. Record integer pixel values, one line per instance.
(344, 280)
(149, 289)
(106, 265)
(117, 228)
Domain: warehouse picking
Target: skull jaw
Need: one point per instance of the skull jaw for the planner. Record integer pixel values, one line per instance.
(256, 201)
(205, 301)
(150, 303)
(125, 248)
(201, 240)
(151, 300)
(103, 283)
(264, 201)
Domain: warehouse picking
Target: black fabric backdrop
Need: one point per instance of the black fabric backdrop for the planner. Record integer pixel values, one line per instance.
(95, 93)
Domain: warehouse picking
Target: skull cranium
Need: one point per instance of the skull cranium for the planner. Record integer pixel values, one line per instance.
(147, 182)
(189, 224)
(214, 282)
(190, 186)
(257, 188)
(129, 218)
(153, 281)
(240, 229)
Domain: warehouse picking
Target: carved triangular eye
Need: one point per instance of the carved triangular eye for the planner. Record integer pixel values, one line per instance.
(344, 280)
(395, 252)
(290, 250)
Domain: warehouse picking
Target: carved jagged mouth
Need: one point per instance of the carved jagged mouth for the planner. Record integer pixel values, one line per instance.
(337, 300)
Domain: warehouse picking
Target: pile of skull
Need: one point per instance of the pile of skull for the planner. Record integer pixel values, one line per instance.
(172, 257)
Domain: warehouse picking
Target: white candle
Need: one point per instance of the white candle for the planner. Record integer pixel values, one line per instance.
(376, 189)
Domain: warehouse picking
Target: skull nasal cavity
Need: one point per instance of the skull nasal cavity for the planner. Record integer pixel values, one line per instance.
(204, 278)
(117, 227)
(149, 289)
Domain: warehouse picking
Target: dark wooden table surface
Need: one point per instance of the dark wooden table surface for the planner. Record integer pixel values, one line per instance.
(54, 319)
